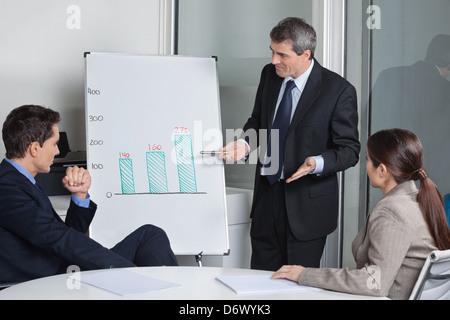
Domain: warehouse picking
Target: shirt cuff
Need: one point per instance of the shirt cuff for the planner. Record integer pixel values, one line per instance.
(84, 203)
(319, 164)
(248, 146)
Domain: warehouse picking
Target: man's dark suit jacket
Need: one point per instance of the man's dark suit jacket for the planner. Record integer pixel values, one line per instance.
(325, 123)
(35, 242)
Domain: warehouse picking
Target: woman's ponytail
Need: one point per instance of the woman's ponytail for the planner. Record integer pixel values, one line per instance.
(432, 206)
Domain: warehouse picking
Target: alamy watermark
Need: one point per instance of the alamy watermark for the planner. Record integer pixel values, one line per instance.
(212, 140)
(374, 20)
(73, 21)
(374, 279)
(73, 281)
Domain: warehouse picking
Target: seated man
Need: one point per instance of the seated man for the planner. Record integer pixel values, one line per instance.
(34, 241)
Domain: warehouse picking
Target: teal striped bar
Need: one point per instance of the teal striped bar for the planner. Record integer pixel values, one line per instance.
(185, 163)
(126, 175)
(156, 172)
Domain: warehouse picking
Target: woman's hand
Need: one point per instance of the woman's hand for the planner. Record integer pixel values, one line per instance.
(288, 272)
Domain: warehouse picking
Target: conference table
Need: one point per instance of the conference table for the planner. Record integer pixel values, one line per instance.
(189, 283)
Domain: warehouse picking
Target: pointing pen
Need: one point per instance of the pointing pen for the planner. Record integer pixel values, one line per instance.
(212, 153)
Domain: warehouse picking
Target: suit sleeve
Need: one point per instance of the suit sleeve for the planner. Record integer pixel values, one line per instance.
(345, 149)
(253, 125)
(80, 218)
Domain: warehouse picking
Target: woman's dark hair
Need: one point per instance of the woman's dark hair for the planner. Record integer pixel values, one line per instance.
(402, 153)
(25, 125)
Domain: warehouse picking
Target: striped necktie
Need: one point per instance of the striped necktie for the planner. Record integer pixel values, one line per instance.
(281, 123)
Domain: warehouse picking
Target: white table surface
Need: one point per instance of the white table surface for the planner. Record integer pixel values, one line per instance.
(195, 283)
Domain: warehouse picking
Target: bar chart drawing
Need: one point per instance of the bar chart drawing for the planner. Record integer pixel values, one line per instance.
(144, 149)
(126, 175)
(185, 163)
(156, 171)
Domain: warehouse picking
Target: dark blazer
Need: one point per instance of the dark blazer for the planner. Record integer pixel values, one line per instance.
(35, 242)
(325, 123)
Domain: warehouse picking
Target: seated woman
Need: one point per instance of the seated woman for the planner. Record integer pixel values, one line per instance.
(401, 231)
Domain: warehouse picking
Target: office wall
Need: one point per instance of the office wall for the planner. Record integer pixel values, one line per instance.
(42, 45)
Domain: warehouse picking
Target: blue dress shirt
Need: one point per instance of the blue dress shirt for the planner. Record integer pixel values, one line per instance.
(84, 203)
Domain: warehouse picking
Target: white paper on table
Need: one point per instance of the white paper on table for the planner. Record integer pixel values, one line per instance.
(261, 284)
(122, 282)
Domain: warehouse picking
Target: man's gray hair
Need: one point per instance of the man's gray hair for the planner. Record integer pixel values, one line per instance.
(297, 31)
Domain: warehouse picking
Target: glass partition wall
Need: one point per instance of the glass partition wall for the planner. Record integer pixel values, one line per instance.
(406, 80)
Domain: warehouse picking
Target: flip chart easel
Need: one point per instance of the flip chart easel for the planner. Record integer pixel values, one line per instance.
(148, 117)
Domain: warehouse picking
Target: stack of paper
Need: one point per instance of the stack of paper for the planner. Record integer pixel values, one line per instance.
(122, 282)
(261, 284)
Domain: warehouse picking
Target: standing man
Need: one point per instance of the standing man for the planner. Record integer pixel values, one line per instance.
(34, 241)
(295, 204)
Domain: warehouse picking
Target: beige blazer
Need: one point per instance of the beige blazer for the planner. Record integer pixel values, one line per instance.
(389, 250)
